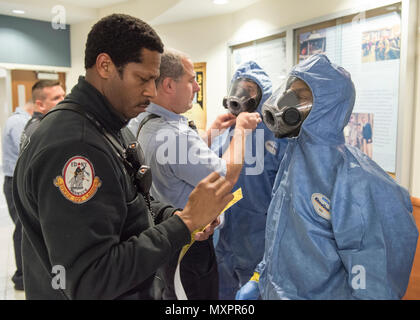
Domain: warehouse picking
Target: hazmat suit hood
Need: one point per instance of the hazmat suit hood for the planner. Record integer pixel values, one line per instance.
(251, 70)
(333, 99)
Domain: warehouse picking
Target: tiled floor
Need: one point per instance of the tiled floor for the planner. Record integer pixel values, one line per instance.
(7, 258)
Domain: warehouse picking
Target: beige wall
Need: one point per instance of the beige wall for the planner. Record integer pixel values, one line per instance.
(206, 40)
(78, 36)
(415, 183)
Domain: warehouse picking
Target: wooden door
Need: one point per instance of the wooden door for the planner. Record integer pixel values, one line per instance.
(25, 79)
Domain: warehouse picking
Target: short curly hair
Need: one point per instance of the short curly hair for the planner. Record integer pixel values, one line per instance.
(122, 37)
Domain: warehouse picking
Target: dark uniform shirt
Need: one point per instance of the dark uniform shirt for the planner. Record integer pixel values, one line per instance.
(79, 210)
(30, 128)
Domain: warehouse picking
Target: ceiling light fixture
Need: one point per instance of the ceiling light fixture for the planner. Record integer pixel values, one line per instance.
(220, 1)
(17, 11)
(47, 75)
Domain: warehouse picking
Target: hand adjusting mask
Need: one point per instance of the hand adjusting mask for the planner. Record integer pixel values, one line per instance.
(244, 96)
(287, 108)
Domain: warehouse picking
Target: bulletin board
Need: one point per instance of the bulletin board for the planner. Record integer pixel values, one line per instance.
(367, 45)
(268, 52)
(198, 113)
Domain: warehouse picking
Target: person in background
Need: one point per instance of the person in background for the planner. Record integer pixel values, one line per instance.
(338, 226)
(45, 96)
(367, 136)
(241, 237)
(190, 159)
(10, 144)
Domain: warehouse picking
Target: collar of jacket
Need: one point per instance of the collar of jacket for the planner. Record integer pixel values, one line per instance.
(37, 115)
(98, 105)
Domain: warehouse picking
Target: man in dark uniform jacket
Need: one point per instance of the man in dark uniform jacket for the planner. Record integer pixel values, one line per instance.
(90, 229)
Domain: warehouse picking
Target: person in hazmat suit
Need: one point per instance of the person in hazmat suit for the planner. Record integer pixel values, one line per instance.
(240, 244)
(338, 226)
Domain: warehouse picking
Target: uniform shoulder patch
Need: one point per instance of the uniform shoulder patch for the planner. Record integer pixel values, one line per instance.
(78, 183)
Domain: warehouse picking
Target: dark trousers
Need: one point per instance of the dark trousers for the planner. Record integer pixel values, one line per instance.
(17, 234)
(198, 272)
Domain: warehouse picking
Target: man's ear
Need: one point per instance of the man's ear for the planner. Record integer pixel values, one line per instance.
(104, 66)
(168, 85)
(39, 106)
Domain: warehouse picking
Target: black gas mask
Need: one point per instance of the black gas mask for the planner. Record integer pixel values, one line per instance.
(284, 112)
(244, 96)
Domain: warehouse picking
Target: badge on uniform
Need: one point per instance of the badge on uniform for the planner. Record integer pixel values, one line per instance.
(271, 147)
(78, 182)
(321, 205)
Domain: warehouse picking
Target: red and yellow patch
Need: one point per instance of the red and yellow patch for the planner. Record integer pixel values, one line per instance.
(78, 183)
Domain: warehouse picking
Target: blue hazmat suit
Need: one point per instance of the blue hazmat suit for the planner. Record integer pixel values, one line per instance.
(338, 226)
(240, 244)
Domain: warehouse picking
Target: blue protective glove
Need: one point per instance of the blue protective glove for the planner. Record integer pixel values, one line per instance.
(249, 290)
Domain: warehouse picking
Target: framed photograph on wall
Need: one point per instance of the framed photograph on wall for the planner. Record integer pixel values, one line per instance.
(368, 46)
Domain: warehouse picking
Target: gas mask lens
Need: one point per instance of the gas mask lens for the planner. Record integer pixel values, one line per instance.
(244, 96)
(287, 108)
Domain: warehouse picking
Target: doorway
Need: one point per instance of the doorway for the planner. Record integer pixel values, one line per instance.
(22, 82)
